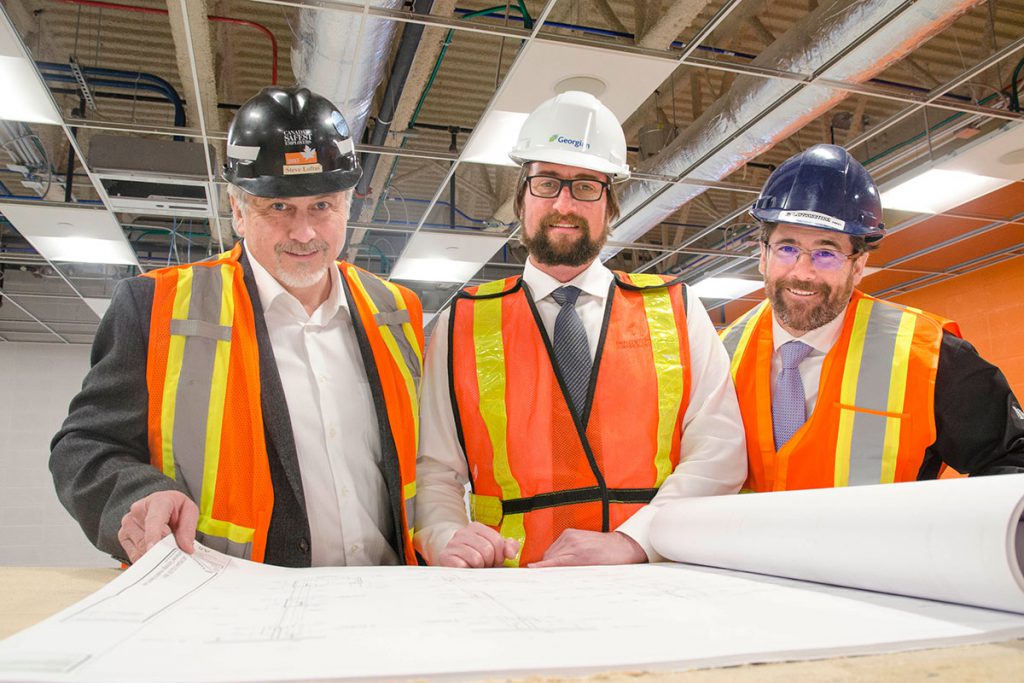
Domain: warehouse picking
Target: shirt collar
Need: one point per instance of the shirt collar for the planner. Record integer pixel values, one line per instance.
(821, 339)
(271, 291)
(594, 281)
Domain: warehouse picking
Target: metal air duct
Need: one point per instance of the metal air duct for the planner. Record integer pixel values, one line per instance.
(342, 56)
(767, 110)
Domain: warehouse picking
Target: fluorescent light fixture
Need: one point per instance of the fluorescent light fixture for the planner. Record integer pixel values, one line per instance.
(979, 167)
(98, 306)
(494, 137)
(435, 270)
(23, 95)
(938, 190)
(542, 70)
(72, 233)
(725, 287)
(446, 257)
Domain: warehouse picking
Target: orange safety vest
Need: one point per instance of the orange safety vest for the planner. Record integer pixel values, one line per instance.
(536, 468)
(205, 421)
(875, 413)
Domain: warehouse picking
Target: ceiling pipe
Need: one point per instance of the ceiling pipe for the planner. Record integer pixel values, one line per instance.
(407, 47)
(757, 113)
(342, 55)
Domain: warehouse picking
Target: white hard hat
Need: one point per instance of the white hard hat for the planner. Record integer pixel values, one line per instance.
(574, 129)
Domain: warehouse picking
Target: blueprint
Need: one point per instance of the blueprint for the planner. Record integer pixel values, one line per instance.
(206, 617)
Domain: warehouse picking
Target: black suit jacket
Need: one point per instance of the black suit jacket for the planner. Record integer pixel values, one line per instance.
(100, 458)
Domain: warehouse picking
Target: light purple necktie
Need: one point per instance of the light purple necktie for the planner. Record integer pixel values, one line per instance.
(789, 407)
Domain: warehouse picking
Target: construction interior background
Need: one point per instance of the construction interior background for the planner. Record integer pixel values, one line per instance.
(117, 170)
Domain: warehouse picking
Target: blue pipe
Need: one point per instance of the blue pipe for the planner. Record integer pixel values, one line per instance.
(438, 203)
(131, 82)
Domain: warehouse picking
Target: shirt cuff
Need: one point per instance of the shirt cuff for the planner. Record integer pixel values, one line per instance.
(432, 540)
(638, 527)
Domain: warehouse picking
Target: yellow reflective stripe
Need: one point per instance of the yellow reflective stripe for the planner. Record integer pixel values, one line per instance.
(409, 490)
(848, 393)
(490, 377)
(396, 353)
(220, 529)
(748, 330)
(485, 509)
(175, 358)
(218, 392)
(668, 366)
(897, 394)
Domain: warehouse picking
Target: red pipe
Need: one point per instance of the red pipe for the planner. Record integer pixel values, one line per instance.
(228, 20)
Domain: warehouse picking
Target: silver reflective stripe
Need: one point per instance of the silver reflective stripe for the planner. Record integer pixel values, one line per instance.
(867, 439)
(226, 546)
(735, 333)
(410, 511)
(243, 152)
(392, 316)
(200, 328)
(192, 402)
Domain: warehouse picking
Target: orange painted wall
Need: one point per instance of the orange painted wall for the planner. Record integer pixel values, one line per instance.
(989, 305)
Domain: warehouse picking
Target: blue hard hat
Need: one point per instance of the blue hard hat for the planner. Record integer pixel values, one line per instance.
(822, 187)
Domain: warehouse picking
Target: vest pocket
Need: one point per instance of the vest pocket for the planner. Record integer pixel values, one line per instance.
(867, 446)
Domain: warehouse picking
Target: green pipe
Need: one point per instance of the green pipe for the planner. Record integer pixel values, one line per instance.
(527, 22)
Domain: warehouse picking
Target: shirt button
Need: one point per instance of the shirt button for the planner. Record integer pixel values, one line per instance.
(303, 546)
(332, 433)
(355, 548)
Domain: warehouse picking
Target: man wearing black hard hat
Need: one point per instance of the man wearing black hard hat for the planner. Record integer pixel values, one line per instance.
(264, 401)
(838, 388)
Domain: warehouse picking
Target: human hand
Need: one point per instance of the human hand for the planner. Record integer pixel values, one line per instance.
(575, 547)
(476, 545)
(150, 519)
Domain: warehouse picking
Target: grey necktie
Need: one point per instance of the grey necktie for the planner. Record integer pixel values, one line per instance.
(572, 352)
(789, 405)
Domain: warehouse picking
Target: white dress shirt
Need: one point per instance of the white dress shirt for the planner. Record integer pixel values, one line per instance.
(821, 341)
(330, 407)
(713, 457)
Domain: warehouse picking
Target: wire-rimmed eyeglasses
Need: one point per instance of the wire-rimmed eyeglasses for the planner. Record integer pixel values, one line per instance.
(821, 259)
(582, 189)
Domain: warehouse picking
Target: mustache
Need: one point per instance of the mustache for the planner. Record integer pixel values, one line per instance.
(553, 218)
(816, 287)
(302, 248)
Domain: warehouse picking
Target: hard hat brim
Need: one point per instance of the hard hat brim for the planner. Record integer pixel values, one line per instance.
(850, 228)
(571, 158)
(299, 185)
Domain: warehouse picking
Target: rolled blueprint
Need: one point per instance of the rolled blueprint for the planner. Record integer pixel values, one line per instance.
(957, 540)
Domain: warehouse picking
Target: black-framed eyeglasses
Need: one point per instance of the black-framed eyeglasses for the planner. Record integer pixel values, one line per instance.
(821, 259)
(581, 189)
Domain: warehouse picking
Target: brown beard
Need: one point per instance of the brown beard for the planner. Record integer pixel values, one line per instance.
(576, 253)
(807, 318)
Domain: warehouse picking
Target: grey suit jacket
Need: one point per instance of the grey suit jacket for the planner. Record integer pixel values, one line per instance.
(100, 457)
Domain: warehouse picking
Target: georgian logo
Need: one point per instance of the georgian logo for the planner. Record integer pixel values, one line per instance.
(562, 140)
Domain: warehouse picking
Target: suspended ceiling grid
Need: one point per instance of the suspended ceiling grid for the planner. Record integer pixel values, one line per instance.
(474, 65)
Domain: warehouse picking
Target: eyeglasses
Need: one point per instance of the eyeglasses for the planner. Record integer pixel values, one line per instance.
(582, 189)
(821, 259)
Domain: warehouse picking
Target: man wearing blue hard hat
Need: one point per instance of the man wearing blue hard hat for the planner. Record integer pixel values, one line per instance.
(838, 388)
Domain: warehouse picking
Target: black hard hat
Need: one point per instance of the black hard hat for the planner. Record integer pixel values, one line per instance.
(823, 187)
(290, 142)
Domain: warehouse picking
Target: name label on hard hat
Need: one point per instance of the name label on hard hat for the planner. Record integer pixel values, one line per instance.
(814, 218)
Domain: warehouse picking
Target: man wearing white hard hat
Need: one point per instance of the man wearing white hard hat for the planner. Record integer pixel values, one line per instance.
(572, 400)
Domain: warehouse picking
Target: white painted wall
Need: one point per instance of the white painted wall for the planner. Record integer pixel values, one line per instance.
(37, 381)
